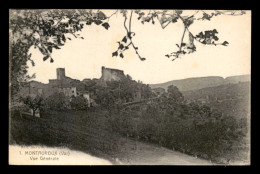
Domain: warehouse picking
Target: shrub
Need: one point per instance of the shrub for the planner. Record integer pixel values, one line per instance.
(57, 101)
(79, 103)
(192, 129)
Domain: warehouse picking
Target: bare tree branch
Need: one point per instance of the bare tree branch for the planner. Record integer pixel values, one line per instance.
(182, 38)
(125, 25)
(130, 20)
(112, 15)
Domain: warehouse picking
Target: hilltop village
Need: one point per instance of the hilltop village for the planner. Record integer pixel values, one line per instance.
(73, 87)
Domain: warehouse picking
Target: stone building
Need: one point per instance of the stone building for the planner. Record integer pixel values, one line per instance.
(109, 74)
(72, 87)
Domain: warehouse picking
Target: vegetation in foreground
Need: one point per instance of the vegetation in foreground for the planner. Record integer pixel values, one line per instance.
(194, 129)
(167, 121)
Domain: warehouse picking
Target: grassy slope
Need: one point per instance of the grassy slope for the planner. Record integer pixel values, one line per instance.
(80, 130)
(88, 132)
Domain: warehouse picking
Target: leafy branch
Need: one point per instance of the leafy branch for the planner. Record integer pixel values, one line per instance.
(129, 34)
(53, 28)
(207, 37)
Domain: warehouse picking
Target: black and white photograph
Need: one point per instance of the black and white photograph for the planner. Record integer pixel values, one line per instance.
(129, 87)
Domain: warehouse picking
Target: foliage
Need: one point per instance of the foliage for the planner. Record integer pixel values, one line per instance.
(174, 94)
(79, 103)
(189, 128)
(111, 93)
(44, 30)
(57, 101)
(47, 30)
(33, 103)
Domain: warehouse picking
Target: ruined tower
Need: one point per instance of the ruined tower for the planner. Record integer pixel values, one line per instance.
(109, 74)
(60, 73)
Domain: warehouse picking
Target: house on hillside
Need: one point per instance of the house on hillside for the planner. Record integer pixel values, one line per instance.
(68, 86)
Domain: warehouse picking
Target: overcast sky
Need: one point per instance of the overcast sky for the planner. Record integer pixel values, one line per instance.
(83, 58)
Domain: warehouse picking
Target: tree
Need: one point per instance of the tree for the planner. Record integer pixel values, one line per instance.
(50, 29)
(174, 93)
(45, 30)
(57, 101)
(79, 103)
(33, 103)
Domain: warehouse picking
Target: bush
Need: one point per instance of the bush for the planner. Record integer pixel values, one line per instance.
(79, 103)
(192, 129)
(57, 101)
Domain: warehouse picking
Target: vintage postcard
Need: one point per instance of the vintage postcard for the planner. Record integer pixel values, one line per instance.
(129, 87)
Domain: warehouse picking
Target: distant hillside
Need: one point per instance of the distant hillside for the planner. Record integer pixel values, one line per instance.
(201, 82)
(226, 91)
(236, 79)
(231, 99)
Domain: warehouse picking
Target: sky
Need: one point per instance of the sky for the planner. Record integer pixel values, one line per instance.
(83, 58)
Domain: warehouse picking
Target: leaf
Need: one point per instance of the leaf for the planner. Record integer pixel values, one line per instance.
(45, 57)
(187, 22)
(126, 47)
(178, 11)
(106, 25)
(121, 55)
(142, 59)
(41, 50)
(101, 15)
(129, 35)
(167, 55)
(124, 39)
(98, 22)
(88, 23)
(225, 43)
(206, 16)
(115, 54)
(50, 48)
(63, 38)
(174, 20)
(69, 38)
(51, 60)
(178, 45)
(183, 44)
(215, 31)
(121, 46)
(56, 47)
(215, 38)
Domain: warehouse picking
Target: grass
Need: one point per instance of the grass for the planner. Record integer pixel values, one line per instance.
(86, 131)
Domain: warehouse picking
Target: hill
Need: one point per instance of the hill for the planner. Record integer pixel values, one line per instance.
(201, 82)
(236, 79)
(231, 99)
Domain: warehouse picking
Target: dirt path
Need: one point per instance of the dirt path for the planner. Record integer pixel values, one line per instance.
(139, 153)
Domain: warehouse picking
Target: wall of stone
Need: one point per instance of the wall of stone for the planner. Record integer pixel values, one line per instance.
(60, 73)
(72, 91)
(112, 74)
